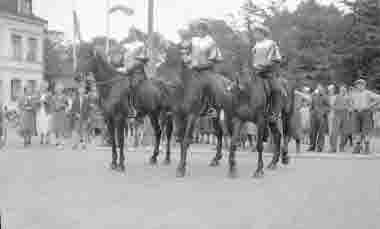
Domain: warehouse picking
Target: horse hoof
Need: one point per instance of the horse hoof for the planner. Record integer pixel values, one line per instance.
(153, 161)
(121, 168)
(258, 174)
(167, 161)
(214, 163)
(181, 172)
(272, 166)
(113, 166)
(285, 160)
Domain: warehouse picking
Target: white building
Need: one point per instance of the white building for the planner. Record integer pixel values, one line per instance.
(21, 49)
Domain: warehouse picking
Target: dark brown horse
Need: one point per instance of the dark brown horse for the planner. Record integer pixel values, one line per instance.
(117, 90)
(246, 101)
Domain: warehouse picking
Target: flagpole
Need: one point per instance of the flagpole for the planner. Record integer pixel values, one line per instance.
(74, 40)
(107, 29)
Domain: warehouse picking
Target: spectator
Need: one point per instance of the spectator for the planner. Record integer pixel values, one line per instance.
(363, 102)
(319, 111)
(27, 107)
(80, 112)
(340, 110)
(43, 113)
(60, 104)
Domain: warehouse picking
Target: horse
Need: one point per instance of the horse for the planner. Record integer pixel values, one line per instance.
(241, 102)
(118, 90)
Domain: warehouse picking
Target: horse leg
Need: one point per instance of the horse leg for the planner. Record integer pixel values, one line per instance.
(121, 138)
(169, 132)
(157, 132)
(261, 128)
(237, 124)
(219, 135)
(111, 130)
(187, 138)
(276, 137)
(287, 128)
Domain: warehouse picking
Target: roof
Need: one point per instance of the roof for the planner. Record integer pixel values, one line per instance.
(11, 7)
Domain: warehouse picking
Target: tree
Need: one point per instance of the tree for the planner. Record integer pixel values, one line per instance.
(363, 53)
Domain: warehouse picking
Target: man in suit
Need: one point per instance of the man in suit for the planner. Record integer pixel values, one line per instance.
(80, 110)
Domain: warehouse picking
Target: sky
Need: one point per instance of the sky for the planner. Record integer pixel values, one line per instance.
(170, 15)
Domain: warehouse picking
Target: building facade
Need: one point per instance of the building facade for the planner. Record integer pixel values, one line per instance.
(22, 37)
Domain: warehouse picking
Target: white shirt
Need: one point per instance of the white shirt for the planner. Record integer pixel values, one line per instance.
(265, 52)
(362, 100)
(201, 47)
(133, 50)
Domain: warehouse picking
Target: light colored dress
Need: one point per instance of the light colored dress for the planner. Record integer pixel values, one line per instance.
(43, 116)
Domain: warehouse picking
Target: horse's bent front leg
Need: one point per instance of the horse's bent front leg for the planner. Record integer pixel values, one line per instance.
(237, 124)
(261, 126)
(189, 124)
(219, 135)
(154, 118)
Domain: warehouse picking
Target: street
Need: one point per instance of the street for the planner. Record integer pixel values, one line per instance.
(42, 187)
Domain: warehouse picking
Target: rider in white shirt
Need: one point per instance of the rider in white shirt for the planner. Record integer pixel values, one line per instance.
(135, 52)
(266, 59)
(204, 52)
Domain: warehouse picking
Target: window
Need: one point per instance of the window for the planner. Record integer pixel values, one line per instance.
(17, 47)
(32, 51)
(16, 89)
(26, 6)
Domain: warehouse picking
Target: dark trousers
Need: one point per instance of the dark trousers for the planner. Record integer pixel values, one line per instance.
(318, 131)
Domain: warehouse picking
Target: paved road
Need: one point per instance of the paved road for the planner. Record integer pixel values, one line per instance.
(48, 188)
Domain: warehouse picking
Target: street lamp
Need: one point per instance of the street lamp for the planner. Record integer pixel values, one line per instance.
(122, 8)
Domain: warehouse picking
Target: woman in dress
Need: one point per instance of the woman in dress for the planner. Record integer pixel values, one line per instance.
(59, 105)
(43, 113)
(27, 105)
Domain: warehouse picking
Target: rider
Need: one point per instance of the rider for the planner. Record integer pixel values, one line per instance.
(203, 52)
(266, 59)
(134, 58)
(135, 52)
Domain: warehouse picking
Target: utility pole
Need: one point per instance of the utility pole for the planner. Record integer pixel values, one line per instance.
(151, 48)
(108, 30)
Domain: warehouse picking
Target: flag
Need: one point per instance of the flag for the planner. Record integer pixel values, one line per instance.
(126, 10)
(77, 37)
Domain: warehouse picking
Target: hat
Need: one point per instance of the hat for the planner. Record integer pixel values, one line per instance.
(331, 87)
(262, 28)
(360, 81)
(306, 89)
